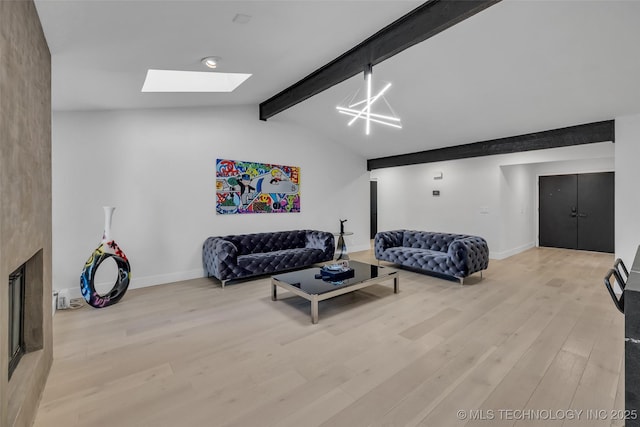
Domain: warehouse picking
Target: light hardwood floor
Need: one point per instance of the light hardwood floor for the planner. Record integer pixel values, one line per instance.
(539, 332)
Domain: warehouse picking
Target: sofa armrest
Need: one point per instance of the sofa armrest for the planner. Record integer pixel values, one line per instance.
(321, 240)
(220, 258)
(468, 255)
(385, 240)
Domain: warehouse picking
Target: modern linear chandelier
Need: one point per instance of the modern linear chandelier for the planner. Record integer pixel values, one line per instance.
(365, 113)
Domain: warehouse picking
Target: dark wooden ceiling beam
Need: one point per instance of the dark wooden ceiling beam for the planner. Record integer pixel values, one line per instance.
(418, 25)
(573, 135)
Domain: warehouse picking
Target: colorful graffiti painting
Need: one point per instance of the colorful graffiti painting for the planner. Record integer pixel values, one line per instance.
(250, 187)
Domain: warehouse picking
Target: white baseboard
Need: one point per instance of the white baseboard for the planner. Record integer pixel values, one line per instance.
(146, 281)
(511, 252)
(358, 248)
(161, 279)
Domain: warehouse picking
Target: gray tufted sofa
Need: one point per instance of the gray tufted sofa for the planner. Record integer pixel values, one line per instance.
(453, 255)
(245, 255)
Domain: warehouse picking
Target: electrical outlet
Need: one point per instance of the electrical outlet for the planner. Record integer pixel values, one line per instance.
(63, 299)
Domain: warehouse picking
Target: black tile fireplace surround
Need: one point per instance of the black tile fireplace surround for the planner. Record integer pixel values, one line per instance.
(632, 343)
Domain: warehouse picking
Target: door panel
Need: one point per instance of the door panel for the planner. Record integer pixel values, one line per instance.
(596, 212)
(373, 186)
(577, 211)
(558, 215)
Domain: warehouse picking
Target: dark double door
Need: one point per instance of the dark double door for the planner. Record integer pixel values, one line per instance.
(577, 211)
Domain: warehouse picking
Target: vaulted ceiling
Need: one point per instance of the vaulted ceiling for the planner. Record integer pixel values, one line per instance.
(519, 66)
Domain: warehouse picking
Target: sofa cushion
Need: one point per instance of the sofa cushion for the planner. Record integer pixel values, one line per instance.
(268, 242)
(285, 259)
(419, 258)
(425, 240)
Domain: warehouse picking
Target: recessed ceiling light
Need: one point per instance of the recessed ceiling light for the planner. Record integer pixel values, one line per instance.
(210, 61)
(192, 81)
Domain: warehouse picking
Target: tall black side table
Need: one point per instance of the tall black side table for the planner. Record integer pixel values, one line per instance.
(342, 246)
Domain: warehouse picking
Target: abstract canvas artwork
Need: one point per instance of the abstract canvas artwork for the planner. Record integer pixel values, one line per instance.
(250, 187)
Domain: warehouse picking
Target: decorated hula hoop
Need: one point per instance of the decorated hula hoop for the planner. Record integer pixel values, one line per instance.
(87, 277)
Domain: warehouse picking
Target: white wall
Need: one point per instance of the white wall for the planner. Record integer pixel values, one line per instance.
(516, 213)
(405, 198)
(158, 168)
(494, 196)
(575, 166)
(627, 180)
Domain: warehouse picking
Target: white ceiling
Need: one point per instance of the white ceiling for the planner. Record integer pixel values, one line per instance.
(101, 49)
(520, 66)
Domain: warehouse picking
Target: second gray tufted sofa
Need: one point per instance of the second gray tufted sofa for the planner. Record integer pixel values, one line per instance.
(243, 255)
(453, 255)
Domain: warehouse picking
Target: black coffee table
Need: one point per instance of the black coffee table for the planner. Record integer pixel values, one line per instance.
(303, 283)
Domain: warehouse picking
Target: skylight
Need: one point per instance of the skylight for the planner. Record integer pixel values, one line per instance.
(192, 81)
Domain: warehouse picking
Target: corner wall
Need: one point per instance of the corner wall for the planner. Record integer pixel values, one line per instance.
(627, 181)
(157, 167)
(25, 200)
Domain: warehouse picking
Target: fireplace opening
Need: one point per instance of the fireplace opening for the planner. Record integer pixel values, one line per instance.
(16, 317)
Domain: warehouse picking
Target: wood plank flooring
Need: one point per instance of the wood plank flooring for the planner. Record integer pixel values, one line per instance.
(538, 333)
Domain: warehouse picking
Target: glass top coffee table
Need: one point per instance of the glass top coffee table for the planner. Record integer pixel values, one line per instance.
(303, 283)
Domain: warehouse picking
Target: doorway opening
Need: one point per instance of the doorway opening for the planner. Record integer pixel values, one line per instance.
(373, 197)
